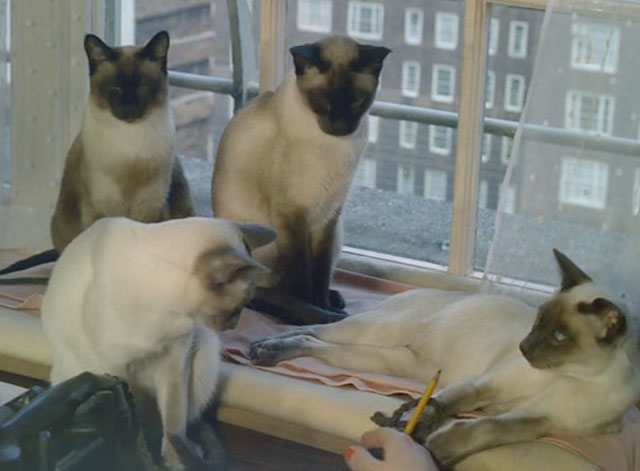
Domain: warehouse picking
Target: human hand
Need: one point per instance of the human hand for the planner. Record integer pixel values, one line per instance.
(400, 453)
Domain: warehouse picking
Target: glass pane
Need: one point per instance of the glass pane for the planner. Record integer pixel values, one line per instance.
(510, 29)
(574, 160)
(200, 44)
(400, 203)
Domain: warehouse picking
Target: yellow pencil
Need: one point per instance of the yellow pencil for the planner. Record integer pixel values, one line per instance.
(421, 405)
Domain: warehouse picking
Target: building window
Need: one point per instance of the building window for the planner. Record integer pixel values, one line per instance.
(518, 39)
(413, 23)
(366, 173)
(443, 82)
(483, 194)
(505, 150)
(374, 123)
(446, 30)
(486, 147)
(440, 138)
(315, 15)
(635, 198)
(490, 92)
(589, 112)
(411, 78)
(494, 34)
(584, 182)
(408, 134)
(406, 180)
(508, 199)
(365, 20)
(435, 184)
(514, 93)
(595, 47)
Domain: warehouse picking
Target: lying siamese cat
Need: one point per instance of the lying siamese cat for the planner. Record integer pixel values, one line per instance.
(287, 161)
(143, 301)
(569, 369)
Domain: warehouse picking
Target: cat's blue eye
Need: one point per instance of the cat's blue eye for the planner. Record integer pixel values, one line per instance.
(559, 336)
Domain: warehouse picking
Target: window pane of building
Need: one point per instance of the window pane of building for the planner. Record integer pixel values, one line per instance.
(410, 78)
(435, 184)
(440, 139)
(514, 93)
(366, 173)
(595, 47)
(413, 24)
(443, 83)
(590, 112)
(374, 123)
(490, 92)
(518, 39)
(406, 180)
(315, 15)
(494, 35)
(446, 32)
(583, 182)
(365, 20)
(408, 134)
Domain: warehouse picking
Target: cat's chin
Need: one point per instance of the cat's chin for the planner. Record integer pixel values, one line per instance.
(542, 364)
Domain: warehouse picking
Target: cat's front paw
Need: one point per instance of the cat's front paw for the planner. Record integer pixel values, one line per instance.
(266, 352)
(447, 443)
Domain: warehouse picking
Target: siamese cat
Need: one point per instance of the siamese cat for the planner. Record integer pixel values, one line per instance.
(287, 161)
(143, 301)
(122, 163)
(571, 368)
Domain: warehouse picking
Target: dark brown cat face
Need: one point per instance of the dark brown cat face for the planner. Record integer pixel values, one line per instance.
(578, 328)
(129, 81)
(228, 273)
(339, 79)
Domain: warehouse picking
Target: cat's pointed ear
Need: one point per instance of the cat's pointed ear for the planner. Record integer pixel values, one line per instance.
(613, 322)
(256, 235)
(370, 59)
(306, 56)
(157, 49)
(572, 275)
(97, 52)
(219, 266)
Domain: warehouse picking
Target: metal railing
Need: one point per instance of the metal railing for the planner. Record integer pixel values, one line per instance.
(500, 127)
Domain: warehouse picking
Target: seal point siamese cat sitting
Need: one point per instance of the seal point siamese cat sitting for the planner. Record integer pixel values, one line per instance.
(142, 302)
(122, 163)
(287, 161)
(574, 371)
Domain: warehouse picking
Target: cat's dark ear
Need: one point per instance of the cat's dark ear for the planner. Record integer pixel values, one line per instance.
(220, 266)
(306, 56)
(370, 59)
(157, 49)
(97, 52)
(572, 275)
(611, 316)
(256, 235)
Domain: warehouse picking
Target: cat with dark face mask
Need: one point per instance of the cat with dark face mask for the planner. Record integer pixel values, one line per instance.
(143, 302)
(287, 161)
(569, 368)
(122, 163)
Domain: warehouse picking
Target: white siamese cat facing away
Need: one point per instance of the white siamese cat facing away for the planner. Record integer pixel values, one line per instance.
(287, 161)
(569, 369)
(122, 163)
(139, 301)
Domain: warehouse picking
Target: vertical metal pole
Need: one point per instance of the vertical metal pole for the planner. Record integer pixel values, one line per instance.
(242, 53)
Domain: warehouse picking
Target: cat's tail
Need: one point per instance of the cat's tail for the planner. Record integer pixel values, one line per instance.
(47, 256)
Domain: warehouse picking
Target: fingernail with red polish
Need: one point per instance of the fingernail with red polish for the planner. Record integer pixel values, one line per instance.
(349, 452)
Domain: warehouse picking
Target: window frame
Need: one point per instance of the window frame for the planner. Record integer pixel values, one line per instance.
(408, 39)
(354, 8)
(512, 51)
(508, 85)
(438, 30)
(407, 128)
(433, 148)
(435, 95)
(607, 67)
(573, 113)
(473, 42)
(310, 27)
(405, 89)
(567, 192)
